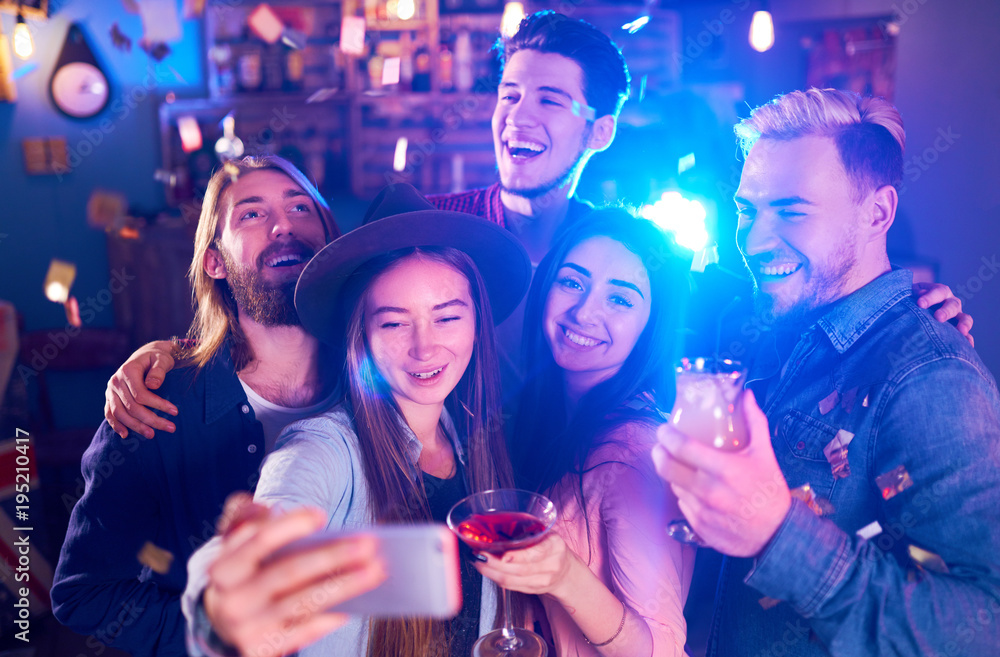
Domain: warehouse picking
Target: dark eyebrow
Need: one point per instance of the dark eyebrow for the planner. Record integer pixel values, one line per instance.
(613, 281)
(577, 268)
(556, 90)
(777, 203)
(630, 286)
(289, 193)
(553, 90)
(404, 311)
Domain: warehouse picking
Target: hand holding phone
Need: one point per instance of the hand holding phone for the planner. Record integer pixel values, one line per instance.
(422, 571)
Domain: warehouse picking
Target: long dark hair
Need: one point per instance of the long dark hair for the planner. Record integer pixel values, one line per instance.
(397, 494)
(548, 444)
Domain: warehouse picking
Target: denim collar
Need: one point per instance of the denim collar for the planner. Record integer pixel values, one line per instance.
(849, 318)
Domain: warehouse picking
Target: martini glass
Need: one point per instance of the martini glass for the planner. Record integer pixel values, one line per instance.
(496, 521)
(709, 391)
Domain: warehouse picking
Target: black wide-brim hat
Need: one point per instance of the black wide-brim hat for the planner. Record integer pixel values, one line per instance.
(399, 218)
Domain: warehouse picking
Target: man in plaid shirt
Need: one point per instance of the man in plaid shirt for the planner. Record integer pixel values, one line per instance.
(564, 83)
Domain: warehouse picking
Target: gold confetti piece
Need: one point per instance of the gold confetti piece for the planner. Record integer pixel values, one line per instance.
(157, 559)
(829, 403)
(825, 506)
(73, 312)
(870, 531)
(59, 280)
(894, 482)
(865, 402)
(928, 560)
(847, 403)
(807, 495)
(836, 454)
(767, 603)
(232, 170)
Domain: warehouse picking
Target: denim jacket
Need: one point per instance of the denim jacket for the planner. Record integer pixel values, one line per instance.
(914, 395)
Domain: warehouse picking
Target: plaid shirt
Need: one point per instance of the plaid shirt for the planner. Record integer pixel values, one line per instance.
(485, 202)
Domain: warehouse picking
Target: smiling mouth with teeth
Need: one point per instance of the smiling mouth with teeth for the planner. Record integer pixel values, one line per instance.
(524, 149)
(426, 375)
(581, 340)
(780, 270)
(285, 260)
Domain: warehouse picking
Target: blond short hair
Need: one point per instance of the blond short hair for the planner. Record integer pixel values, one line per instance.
(867, 131)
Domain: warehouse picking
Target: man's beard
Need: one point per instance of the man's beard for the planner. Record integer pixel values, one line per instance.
(557, 182)
(265, 303)
(822, 289)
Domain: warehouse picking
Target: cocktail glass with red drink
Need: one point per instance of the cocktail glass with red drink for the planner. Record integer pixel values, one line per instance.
(496, 521)
(707, 409)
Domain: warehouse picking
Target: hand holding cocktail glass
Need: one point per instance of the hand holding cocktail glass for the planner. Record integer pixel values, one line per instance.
(717, 457)
(495, 522)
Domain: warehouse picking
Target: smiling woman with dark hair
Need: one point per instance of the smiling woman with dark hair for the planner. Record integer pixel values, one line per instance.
(601, 324)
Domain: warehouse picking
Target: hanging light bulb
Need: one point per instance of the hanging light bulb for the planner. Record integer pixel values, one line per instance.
(24, 47)
(406, 9)
(513, 14)
(762, 31)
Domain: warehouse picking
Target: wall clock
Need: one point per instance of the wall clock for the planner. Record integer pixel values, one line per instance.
(79, 86)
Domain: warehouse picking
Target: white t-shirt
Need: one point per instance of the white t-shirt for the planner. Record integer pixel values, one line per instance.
(274, 418)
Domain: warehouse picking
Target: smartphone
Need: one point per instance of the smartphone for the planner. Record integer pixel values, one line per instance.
(421, 562)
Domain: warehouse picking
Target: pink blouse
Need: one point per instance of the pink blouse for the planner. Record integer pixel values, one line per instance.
(629, 508)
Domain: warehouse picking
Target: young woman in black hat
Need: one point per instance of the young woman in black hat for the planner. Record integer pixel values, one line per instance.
(411, 297)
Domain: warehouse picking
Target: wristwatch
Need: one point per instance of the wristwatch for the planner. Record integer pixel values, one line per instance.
(205, 642)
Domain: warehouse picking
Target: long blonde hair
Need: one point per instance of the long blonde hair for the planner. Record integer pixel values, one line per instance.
(215, 315)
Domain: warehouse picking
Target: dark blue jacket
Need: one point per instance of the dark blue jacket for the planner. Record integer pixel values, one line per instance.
(168, 491)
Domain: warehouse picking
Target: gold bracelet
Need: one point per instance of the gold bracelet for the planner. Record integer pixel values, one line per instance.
(621, 626)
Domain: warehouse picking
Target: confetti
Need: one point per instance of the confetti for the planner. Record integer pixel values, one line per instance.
(263, 22)
(642, 88)
(232, 170)
(165, 176)
(73, 312)
(155, 558)
(634, 26)
(807, 495)
(928, 560)
(399, 157)
(705, 257)
(156, 50)
(836, 454)
(685, 163)
(829, 403)
(294, 38)
(23, 70)
(847, 403)
(59, 280)
(865, 402)
(870, 531)
(585, 111)
(161, 22)
(893, 482)
(190, 132)
(352, 35)
(390, 71)
(768, 603)
(320, 95)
